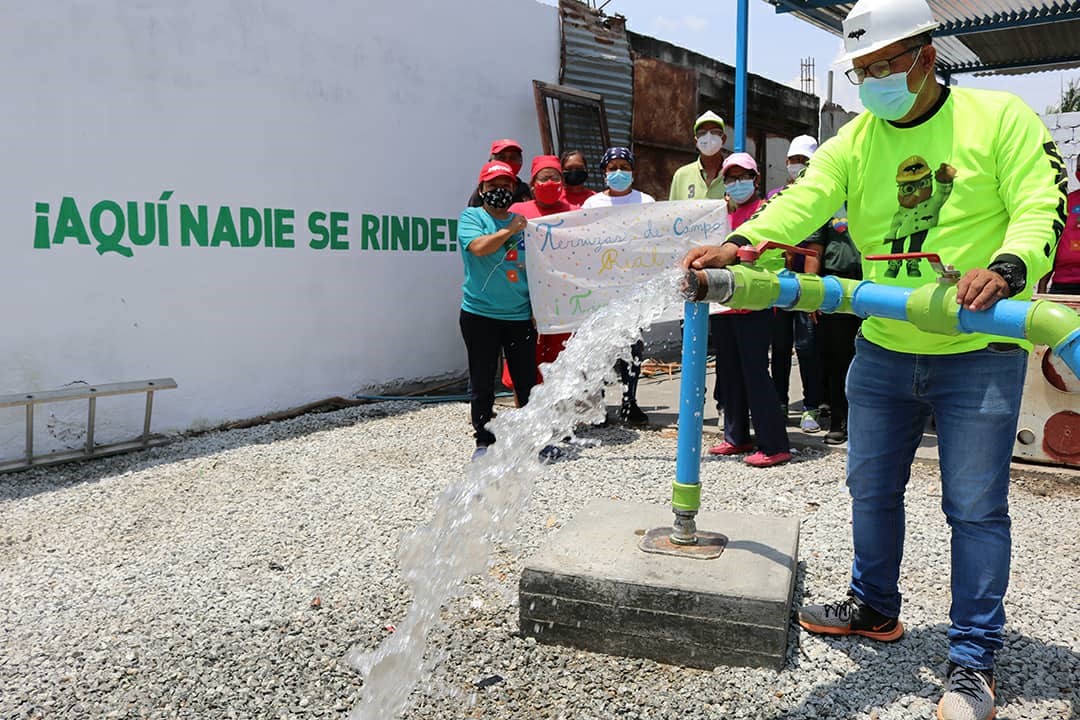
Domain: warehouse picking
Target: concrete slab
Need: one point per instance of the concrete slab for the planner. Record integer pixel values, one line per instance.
(590, 586)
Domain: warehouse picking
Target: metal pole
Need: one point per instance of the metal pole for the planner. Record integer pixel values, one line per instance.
(741, 42)
(146, 418)
(90, 426)
(30, 433)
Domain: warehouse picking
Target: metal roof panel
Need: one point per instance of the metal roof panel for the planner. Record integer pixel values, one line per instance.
(984, 36)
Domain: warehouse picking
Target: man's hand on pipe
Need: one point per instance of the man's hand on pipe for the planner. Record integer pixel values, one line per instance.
(706, 256)
(980, 288)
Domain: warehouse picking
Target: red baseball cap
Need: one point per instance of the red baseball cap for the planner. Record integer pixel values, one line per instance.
(494, 169)
(545, 161)
(506, 143)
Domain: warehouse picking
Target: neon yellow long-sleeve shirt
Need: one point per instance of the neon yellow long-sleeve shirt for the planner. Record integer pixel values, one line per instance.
(976, 180)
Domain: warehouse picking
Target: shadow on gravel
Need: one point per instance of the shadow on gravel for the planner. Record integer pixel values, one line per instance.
(26, 483)
(1027, 669)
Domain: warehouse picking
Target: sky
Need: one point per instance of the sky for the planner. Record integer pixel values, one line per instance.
(779, 41)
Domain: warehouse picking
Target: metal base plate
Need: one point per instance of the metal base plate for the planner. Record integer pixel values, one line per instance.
(709, 545)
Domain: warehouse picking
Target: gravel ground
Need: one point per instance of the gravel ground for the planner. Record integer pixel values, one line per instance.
(227, 576)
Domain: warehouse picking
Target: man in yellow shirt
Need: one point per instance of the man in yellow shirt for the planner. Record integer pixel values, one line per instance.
(998, 227)
(701, 179)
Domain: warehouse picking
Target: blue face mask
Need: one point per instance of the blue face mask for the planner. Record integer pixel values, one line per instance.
(740, 190)
(619, 180)
(889, 98)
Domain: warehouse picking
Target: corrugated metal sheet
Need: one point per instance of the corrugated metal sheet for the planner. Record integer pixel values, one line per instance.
(596, 57)
(1020, 36)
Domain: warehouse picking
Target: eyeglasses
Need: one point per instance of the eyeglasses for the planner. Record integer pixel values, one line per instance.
(880, 69)
(913, 187)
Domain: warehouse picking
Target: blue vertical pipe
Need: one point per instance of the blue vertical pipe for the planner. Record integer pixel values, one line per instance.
(695, 345)
(696, 315)
(741, 43)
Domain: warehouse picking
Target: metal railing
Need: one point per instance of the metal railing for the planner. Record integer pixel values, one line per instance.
(81, 392)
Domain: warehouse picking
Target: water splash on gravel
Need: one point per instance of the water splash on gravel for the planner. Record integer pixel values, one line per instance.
(483, 507)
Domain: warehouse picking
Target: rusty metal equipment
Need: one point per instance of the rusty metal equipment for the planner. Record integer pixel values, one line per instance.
(1049, 428)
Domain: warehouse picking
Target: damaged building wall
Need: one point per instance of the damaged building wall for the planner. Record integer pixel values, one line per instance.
(672, 86)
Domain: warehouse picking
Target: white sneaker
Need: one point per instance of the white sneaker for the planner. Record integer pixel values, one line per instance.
(969, 695)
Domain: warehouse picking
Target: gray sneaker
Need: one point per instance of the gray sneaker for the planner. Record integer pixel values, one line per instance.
(850, 616)
(969, 694)
(809, 422)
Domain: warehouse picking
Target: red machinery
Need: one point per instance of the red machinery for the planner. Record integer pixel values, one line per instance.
(1049, 428)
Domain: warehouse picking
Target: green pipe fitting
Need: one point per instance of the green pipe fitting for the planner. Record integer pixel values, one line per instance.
(811, 293)
(849, 287)
(933, 308)
(686, 497)
(1049, 323)
(755, 288)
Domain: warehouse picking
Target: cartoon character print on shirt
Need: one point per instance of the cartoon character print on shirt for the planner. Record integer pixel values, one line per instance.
(920, 207)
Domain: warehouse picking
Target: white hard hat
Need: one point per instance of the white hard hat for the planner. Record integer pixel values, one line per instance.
(804, 145)
(873, 24)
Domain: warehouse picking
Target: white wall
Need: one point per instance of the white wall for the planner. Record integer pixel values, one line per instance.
(1065, 129)
(383, 108)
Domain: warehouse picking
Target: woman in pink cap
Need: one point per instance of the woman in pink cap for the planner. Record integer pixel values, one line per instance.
(741, 340)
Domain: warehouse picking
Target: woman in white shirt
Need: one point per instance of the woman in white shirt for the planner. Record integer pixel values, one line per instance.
(618, 168)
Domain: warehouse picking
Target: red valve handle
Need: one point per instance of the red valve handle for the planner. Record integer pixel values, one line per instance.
(750, 253)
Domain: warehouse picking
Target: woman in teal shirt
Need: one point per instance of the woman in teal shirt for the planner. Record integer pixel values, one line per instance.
(495, 311)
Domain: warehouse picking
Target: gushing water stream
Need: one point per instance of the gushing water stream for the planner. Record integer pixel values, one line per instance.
(482, 508)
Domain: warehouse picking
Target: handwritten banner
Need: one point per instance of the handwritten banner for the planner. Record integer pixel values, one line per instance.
(579, 261)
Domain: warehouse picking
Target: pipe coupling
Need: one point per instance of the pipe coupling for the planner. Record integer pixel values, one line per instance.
(711, 285)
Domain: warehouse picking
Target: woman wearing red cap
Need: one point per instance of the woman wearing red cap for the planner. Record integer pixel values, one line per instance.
(495, 311)
(506, 151)
(548, 189)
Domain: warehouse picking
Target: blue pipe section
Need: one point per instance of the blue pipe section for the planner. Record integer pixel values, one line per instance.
(692, 393)
(741, 44)
(1006, 317)
(834, 294)
(1069, 351)
(789, 289)
(883, 301)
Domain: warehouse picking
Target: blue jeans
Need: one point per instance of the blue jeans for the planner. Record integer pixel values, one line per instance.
(975, 400)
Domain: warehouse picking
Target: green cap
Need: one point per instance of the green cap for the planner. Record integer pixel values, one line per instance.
(709, 117)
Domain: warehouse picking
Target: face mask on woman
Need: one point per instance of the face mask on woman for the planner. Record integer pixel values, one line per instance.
(498, 197)
(740, 190)
(795, 170)
(576, 176)
(619, 180)
(548, 192)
